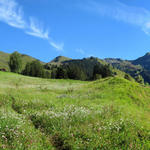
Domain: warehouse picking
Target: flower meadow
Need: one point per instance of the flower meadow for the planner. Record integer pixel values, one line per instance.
(107, 114)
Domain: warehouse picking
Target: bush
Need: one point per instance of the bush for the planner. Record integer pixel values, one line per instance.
(97, 76)
(128, 77)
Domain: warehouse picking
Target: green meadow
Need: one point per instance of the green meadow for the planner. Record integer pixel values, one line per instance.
(45, 114)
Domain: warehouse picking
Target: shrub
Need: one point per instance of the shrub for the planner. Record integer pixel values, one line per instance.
(128, 77)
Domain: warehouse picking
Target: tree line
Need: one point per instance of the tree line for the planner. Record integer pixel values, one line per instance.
(66, 71)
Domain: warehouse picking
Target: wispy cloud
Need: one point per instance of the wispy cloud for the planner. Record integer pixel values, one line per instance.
(81, 51)
(35, 29)
(115, 9)
(56, 45)
(12, 14)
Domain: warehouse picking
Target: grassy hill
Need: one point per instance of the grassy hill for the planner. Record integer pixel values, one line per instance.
(59, 60)
(4, 59)
(107, 114)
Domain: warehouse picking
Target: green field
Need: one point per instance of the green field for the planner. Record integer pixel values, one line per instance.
(44, 114)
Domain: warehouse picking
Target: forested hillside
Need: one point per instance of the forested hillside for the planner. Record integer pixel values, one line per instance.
(82, 69)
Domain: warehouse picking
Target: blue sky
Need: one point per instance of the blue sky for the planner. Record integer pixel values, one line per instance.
(45, 29)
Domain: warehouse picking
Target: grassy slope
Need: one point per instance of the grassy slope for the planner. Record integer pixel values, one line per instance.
(111, 113)
(4, 59)
(60, 59)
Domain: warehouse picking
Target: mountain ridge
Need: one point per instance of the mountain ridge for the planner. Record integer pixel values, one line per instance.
(139, 66)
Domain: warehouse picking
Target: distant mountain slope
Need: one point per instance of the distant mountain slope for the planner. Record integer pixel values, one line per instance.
(125, 66)
(4, 59)
(66, 60)
(86, 64)
(59, 60)
(140, 66)
(144, 61)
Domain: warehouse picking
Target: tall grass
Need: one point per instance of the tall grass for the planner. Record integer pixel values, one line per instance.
(41, 114)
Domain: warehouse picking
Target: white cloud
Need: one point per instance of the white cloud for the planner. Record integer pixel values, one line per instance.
(35, 29)
(81, 51)
(134, 15)
(59, 46)
(12, 14)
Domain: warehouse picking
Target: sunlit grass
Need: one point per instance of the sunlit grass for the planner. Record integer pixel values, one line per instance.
(106, 114)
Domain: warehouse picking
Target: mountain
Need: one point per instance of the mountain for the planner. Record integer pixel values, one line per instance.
(59, 60)
(140, 66)
(85, 65)
(144, 61)
(65, 60)
(125, 65)
(4, 59)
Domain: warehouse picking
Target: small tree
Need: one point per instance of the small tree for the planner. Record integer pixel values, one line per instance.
(15, 62)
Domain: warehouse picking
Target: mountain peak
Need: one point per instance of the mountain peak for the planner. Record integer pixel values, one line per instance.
(147, 54)
(60, 59)
(144, 61)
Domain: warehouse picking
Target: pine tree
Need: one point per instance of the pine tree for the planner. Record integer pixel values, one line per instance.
(34, 69)
(103, 70)
(61, 73)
